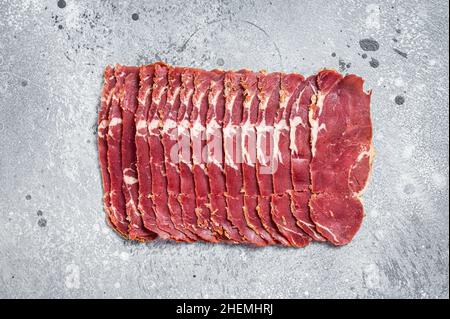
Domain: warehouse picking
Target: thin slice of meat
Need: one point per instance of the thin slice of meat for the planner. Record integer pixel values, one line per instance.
(285, 221)
(145, 202)
(282, 179)
(169, 137)
(103, 121)
(282, 212)
(157, 167)
(264, 213)
(234, 98)
(128, 104)
(187, 197)
(214, 166)
(249, 83)
(342, 154)
(199, 112)
(337, 216)
(301, 135)
(114, 138)
(300, 150)
(264, 146)
(301, 211)
(267, 165)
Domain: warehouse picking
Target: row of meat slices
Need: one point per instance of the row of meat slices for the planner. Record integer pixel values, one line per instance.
(233, 156)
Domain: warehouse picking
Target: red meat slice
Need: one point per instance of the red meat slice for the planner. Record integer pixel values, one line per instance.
(105, 103)
(249, 82)
(342, 153)
(233, 157)
(269, 97)
(301, 211)
(145, 204)
(188, 197)
(264, 213)
(114, 138)
(169, 136)
(214, 125)
(282, 182)
(264, 146)
(128, 104)
(199, 112)
(301, 155)
(300, 135)
(157, 167)
(337, 216)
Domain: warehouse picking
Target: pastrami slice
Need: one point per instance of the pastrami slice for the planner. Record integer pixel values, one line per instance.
(299, 93)
(282, 213)
(102, 131)
(249, 83)
(128, 104)
(187, 197)
(198, 116)
(145, 202)
(342, 154)
(269, 96)
(157, 166)
(114, 138)
(337, 217)
(169, 137)
(233, 157)
(301, 211)
(214, 166)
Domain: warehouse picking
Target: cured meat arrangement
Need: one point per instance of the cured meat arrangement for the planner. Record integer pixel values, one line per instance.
(236, 157)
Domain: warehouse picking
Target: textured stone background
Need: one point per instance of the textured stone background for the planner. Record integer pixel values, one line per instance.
(53, 238)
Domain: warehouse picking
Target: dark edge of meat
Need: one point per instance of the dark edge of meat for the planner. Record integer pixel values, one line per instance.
(233, 158)
(130, 186)
(249, 83)
(118, 210)
(214, 166)
(301, 157)
(103, 123)
(335, 205)
(169, 137)
(187, 197)
(157, 167)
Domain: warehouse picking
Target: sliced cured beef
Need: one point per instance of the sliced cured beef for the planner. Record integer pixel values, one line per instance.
(264, 146)
(282, 212)
(188, 197)
(301, 211)
(169, 137)
(109, 81)
(128, 104)
(300, 149)
(114, 140)
(199, 112)
(249, 83)
(342, 153)
(237, 157)
(215, 169)
(269, 97)
(145, 202)
(282, 179)
(157, 167)
(233, 158)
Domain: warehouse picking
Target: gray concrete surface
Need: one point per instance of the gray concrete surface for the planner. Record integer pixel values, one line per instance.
(53, 238)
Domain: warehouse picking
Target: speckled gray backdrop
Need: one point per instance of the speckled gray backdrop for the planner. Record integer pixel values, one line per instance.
(53, 238)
